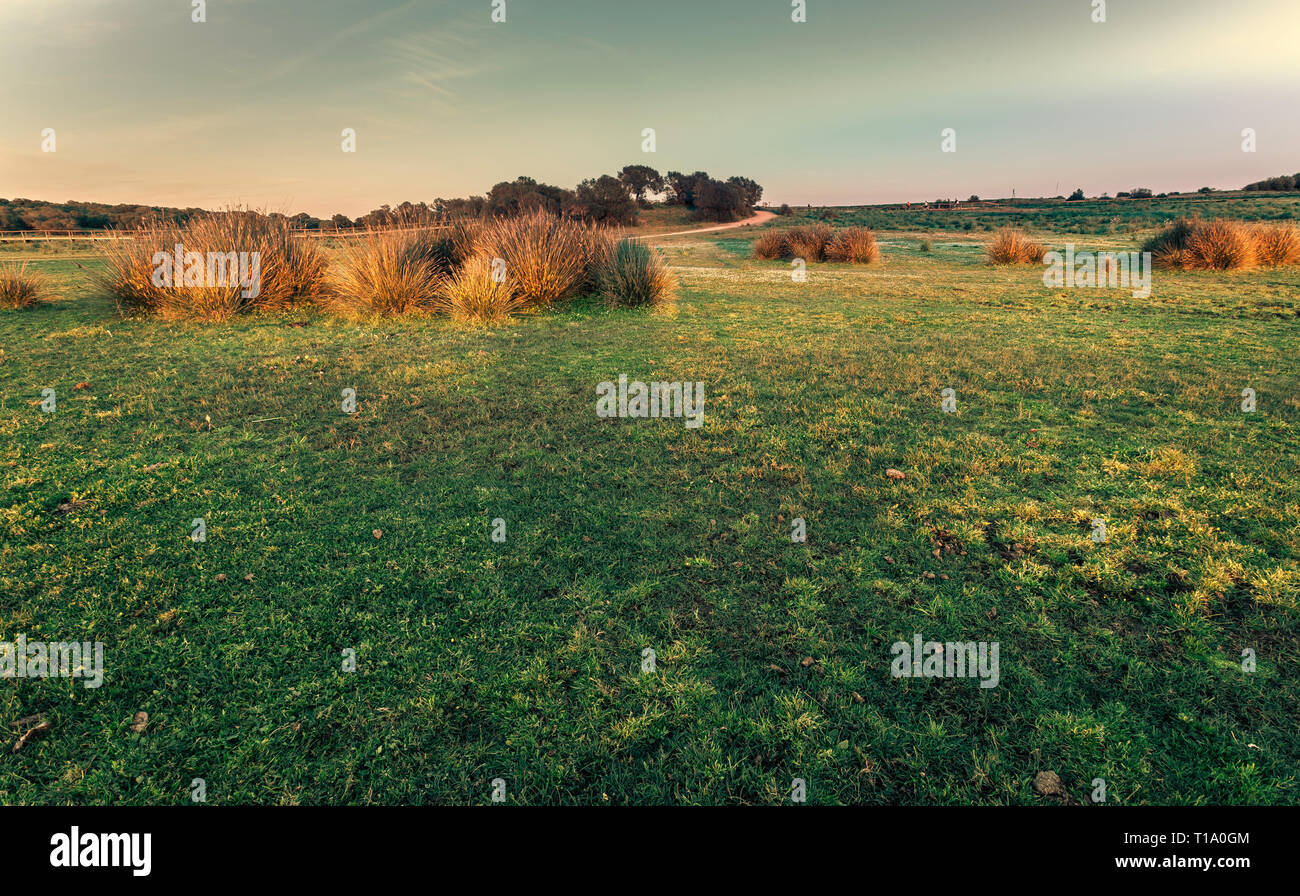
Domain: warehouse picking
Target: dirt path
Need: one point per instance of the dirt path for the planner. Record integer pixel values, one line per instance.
(759, 218)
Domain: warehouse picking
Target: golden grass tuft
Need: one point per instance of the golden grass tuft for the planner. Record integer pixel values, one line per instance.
(1012, 246)
(1277, 244)
(597, 246)
(1220, 246)
(808, 241)
(473, 293)
(856, 245)
(634, 275)
(387, 272)
(291, 270)
(770, 244)
(1169, 247)
(21, 288)
(546, 256)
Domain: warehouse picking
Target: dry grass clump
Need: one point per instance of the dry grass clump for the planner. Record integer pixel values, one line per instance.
(1220, 246)
(473, 292)
(856, 245)
(770, 244)
(387, 272)
(1192, 244)
(1011, 246)
(1277, 244)
(21, 288)
(281, 271)
(809, 241)
(462, 239)
(597, 246)
(546, 256)
(1169, 247)
(819, 242)
(633, 274)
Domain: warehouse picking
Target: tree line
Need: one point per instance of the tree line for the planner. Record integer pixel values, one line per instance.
(607, 199)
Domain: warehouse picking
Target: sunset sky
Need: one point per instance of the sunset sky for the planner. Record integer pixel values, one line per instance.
(248, 107)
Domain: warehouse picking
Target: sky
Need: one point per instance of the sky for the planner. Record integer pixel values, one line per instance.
(848, 107)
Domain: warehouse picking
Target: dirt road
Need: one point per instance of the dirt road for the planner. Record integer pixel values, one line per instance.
(759, 218)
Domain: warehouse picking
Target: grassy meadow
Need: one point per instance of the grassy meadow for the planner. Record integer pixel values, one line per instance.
(1093, 217)
(521, 660)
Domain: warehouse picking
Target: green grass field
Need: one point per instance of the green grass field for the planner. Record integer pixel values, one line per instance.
(1095, 217)
(522, 660)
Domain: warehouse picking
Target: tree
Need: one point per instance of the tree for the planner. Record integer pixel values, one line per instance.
(640, 180)
(509, 199)
(750, 192)
(471, 207)
(605, 200)
(718, 201)
(682, 187)
(1076, 195)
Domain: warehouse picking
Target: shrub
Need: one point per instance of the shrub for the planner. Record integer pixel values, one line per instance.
(633, 274)
(597, 245)
(287, 270)
(390, 271)
(473, 293)
(808, 242)
(1011, 246)
(770, 244)
(1193, 244)
(1220, 246)
(1277, 244)
(1168, 247)
(20, 288)
(853, 244)
(461, 239)
(545, 256)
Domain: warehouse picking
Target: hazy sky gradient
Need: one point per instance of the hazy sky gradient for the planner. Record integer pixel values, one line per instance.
(848, 108)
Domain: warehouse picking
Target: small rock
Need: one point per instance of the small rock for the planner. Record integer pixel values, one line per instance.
(378, 533)
(1048, 784)
(221, 577)
(82, 385)
(807, 661)
(140, 722)
(895, 475)
(858, 698)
